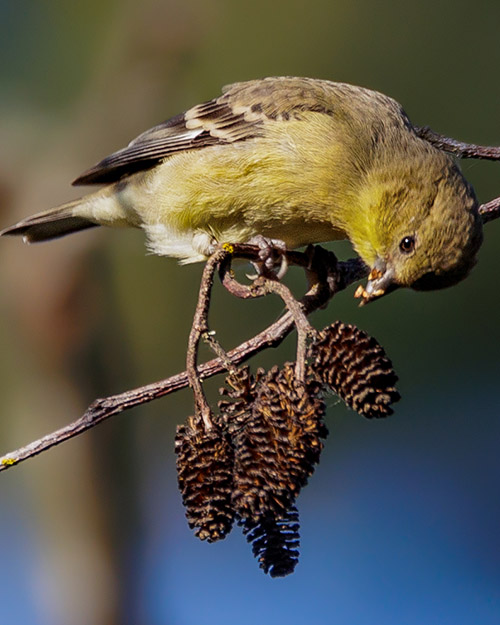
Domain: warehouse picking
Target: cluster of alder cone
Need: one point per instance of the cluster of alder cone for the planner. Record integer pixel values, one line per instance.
(266, 439)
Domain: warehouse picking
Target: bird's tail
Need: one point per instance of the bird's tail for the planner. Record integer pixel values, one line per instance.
(50, 224)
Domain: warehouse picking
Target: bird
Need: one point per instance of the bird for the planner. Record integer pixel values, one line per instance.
(294, 160)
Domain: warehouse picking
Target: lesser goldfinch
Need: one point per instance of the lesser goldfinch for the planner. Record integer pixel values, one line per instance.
(297, 160)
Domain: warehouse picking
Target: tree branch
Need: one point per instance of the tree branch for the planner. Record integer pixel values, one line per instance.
(326, 276)
(459, 148)
(490, 210)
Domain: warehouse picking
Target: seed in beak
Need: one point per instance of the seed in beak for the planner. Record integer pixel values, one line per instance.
(375, 274)
(360, 292)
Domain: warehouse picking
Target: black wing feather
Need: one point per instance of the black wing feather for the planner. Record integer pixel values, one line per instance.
(144, 154)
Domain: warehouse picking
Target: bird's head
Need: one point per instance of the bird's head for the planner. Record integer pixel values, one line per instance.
(422, 233)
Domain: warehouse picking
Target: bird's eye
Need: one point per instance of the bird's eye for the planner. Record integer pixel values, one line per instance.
(407, 245)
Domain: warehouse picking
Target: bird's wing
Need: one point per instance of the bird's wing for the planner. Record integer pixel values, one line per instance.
(238, 114)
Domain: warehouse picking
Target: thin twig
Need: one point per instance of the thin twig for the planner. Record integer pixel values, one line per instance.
(304, 328)
(490, 210)
(262, 286)
(199, 328)
(459, 148)
(219, 351)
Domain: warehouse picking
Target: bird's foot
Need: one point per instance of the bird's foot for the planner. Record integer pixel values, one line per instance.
(272, 252)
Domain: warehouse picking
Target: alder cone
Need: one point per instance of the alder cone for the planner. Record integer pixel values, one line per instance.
(240, 393)
(275, 542)
(355, 367)
(205, 476)
(277, 444)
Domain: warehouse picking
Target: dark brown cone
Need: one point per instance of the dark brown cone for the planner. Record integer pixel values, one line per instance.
(275, 542)
(205, 477)
(276, 444)
(355, 366)
(241, 391)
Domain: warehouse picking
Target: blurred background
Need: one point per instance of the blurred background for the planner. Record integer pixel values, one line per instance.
(400, 522)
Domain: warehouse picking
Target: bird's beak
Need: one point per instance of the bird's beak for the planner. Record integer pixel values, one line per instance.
(380, 282)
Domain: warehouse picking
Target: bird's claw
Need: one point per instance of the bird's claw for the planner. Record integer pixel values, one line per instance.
(270, 252)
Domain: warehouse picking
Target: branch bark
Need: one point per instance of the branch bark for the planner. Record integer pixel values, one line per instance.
(459, 148)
